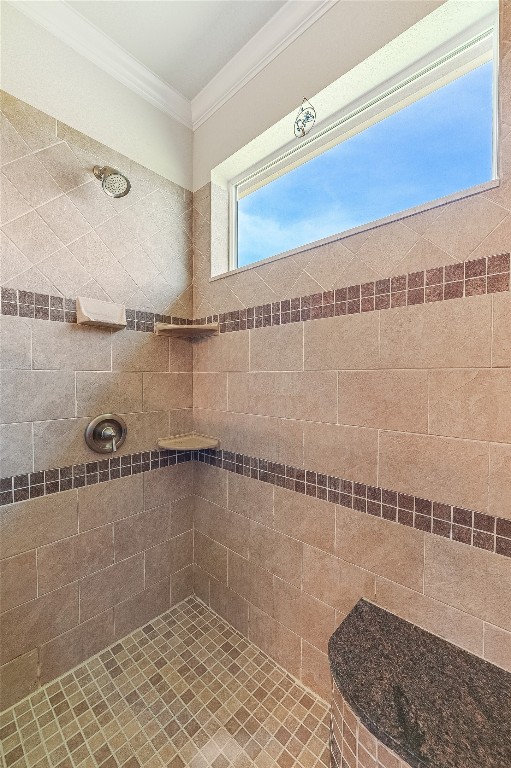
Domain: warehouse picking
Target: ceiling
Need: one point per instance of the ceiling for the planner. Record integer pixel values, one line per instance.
(184, 42)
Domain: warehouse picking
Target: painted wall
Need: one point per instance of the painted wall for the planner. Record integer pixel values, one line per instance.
(411, 394)
(344, 36)
(46, 73)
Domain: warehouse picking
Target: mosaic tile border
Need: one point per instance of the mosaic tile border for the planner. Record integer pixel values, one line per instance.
(42, 306)
(45, 482)
(489, 274)
(467, 526)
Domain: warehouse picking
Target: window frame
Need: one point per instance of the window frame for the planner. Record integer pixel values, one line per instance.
(387, 98)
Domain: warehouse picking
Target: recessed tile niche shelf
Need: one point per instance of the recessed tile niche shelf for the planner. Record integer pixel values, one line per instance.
(188, 442)
(185, 331)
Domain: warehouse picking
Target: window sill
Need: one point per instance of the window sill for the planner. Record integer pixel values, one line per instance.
(402, 215)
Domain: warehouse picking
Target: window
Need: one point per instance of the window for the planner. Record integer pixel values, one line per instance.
(435, 141)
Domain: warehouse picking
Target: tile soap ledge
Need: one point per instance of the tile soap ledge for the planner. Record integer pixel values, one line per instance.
(103, 314)
(185, 331)
(188, 442)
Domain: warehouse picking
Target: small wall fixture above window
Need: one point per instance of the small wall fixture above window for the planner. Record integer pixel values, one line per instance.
(305, 119)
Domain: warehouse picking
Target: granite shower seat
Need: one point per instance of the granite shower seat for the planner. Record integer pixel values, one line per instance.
(404, 697)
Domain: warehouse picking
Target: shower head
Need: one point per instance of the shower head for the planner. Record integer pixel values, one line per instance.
(113, 182)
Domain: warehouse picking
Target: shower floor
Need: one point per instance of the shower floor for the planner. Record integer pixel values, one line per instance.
(185, 690)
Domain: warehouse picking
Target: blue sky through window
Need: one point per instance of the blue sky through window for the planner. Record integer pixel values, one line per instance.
(436, 146)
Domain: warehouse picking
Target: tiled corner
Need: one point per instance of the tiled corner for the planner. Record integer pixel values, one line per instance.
(185, 690)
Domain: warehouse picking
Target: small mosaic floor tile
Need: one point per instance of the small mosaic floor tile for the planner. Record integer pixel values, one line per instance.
(185, 690)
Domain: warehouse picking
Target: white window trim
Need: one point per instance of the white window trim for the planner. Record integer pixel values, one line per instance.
(389, 97)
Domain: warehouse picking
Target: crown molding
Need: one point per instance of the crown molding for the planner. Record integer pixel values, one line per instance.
(279, 32)
(87, 40)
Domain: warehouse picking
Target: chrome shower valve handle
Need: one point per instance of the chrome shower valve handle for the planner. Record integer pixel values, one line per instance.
(106, 433)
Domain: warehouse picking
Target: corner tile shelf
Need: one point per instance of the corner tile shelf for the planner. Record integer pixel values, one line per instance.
(188, 442)
(185, 331)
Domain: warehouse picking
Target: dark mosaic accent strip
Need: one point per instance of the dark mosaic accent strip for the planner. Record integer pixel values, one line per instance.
(48, 481)
(42, 306)
(467, 278)
(464, 525)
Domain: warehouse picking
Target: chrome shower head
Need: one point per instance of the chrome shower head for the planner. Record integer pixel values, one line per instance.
(112, 181)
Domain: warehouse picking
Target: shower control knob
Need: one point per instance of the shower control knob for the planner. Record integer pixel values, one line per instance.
(106, 433)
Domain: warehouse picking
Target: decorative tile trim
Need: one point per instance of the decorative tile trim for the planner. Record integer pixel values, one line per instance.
(42, 306)
(467, 278)
(467, 526)
(48, 481)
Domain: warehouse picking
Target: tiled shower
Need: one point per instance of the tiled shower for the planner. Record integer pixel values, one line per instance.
(175, 607)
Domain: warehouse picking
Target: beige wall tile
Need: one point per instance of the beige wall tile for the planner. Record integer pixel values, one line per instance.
(12, 204)
(250, 582)
(18, 580)
(451, 470)
(141, 608)
(230, 606)
(33, 237)
(342, 343)
(31, 624)
(139, 352)
(474, 404)
(32, 180)
(63, 166)
(210, 391)
(311, 619)
(12, 145)
(501, 348)
(92, 203)
(201, 584)
(277, 348)
(303, 395)
(445, 334)
(210, 556)
(181, 585)
(334, 581)
(111, 586)
(46, 395)
(348, 452)
(73, 558)
(387, 549)
(18, 678)
(470, 579)
(64, 219)
(225, 352)
(210, 483)
(15, 342)
(16, 449)
(164, 391)
(278, 440)
(77, 645)
(222, 525)
(30, 524)
(64, 273)
(497, 646)
(107, 502)
(169, 557)
(395, 400)
(167, 484)
(181, 515)
(98, 392)
(138, 532)
(60, 443)
(251, 498)
(316, 670)
(279, 554)
(307, 519)
(449, 623)
(36, 129)
(66, 346)
(500, 480)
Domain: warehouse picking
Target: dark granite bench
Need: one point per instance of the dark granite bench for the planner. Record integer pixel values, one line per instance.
(433, 704)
